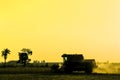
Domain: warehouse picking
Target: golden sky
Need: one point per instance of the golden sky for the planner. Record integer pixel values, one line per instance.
(53, 27)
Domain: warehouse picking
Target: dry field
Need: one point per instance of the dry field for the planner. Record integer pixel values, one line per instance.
(45, 74)
(104, 71)
(59, 77)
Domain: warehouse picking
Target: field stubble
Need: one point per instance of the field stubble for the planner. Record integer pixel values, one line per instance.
(59, 77)
(43, 73)
(103, 72)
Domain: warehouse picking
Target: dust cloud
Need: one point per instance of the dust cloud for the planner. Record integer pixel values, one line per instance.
(109, 68)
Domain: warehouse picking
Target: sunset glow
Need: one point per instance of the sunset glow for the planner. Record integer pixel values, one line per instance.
(53, 27)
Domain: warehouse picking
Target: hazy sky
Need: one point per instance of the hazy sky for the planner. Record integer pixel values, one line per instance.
(53, 27)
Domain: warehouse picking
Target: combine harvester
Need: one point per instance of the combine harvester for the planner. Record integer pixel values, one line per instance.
(74, 62)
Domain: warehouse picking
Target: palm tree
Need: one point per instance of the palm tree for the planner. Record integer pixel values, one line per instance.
(5, 52)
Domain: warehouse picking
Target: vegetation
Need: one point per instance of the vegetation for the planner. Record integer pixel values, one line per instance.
(59, 77)
(5, 53)
(26, 50)
(25, 70)
(23, 56)
(43, 73)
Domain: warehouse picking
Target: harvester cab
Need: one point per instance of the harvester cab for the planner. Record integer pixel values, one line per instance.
(72, 57)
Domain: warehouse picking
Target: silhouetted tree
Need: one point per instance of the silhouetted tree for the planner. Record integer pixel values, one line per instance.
(26, 50)
(5, 52)
(23, 56)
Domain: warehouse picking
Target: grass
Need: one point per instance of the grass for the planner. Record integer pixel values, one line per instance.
(24, 70)
(57, 77)
(43, 73)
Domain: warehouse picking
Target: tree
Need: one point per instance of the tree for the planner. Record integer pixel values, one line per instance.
(23, 56)
(5, 53)
(26, 50)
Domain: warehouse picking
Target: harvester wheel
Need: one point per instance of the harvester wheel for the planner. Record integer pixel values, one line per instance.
(68, 69)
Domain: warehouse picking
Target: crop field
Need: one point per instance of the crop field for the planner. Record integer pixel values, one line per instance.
(103, 72)
(59, 76)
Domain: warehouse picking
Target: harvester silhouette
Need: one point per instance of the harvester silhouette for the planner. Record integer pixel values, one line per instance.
(74, 62)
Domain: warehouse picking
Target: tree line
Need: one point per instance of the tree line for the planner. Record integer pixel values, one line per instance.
(23, 55)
